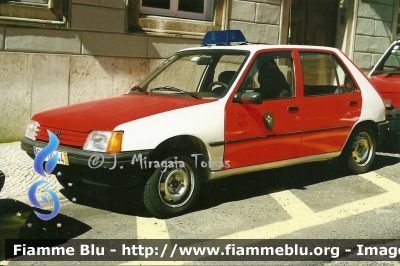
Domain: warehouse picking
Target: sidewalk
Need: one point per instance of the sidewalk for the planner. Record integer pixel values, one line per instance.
(18, 169)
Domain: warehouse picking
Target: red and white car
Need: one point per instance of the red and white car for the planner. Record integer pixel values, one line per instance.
(385, 76)
(216, 111)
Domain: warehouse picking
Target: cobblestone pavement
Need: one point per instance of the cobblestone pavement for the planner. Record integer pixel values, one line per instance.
(18, 169)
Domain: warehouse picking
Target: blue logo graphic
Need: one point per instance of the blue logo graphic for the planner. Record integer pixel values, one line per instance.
(42, 155)
(35, 202)
(49, 167)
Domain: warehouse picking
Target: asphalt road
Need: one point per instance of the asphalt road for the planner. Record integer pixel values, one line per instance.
(309, 201)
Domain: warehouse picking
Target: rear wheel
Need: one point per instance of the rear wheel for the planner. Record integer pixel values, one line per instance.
(361, 150)
(173, 187)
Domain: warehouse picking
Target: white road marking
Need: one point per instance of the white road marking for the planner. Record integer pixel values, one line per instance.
(151, 228)
(381, 181)
(308, 220)
(291, 204)
(289, 226)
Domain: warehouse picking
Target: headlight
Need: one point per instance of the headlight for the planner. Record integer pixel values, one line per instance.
(104, 141)
(388, 103)
(31, 130)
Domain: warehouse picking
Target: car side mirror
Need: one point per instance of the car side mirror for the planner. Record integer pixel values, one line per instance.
(248, 97)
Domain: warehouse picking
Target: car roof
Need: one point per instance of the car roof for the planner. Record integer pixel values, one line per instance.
(257, 47)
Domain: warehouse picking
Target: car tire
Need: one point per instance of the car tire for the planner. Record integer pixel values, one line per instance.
(172, 190)
(361, 150)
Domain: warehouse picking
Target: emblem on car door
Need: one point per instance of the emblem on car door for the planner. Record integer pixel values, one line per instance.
(269, 120)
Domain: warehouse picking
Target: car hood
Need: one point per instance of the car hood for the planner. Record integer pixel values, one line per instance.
(388, 86)
(106, 114)
(386, 82)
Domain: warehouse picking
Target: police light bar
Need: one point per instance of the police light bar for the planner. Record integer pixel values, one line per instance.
(223, 37)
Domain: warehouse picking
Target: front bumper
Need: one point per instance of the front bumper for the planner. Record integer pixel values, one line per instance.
(383, 128)
(393, 117)
(96, 167)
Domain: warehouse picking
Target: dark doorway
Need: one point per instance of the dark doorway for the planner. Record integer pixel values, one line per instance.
(313, 22)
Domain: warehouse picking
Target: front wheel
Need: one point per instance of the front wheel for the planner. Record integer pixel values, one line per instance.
(361, 151)
(173, 187)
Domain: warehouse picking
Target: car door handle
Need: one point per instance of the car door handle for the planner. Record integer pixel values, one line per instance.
(353, 103)
(293, 109)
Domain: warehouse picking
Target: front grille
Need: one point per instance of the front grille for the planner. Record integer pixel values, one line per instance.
(67, 137)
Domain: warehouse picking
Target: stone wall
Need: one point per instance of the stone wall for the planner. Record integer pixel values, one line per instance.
(43, 68)
(373, 32)
(31, 83)
(259, 20)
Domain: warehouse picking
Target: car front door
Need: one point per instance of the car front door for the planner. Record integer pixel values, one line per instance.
(270, 131)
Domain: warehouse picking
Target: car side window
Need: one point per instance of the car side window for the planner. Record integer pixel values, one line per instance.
(272, 76)
(224, 73)
(324, 74)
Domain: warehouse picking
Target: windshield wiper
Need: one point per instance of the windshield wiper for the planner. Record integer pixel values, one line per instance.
(393, 73)
(169, 88)
(395, 67)
(389, 72)
(137, 88)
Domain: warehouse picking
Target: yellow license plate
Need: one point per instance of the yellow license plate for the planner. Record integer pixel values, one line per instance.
(62, 156)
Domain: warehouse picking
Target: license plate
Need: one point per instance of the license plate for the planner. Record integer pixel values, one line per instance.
(62, 156)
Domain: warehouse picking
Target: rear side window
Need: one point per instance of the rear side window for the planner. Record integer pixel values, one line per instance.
(324, 74)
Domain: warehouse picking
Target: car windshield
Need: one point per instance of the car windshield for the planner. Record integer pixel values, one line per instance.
(197, 74)
(390, 63)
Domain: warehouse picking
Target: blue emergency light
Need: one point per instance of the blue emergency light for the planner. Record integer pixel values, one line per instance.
(223, 37)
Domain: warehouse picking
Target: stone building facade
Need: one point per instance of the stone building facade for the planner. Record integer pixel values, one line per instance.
(60, 52)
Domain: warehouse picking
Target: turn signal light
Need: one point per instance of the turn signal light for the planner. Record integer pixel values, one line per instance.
(115, 142)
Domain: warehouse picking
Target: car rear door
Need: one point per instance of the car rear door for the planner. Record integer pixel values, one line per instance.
(331, 103)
